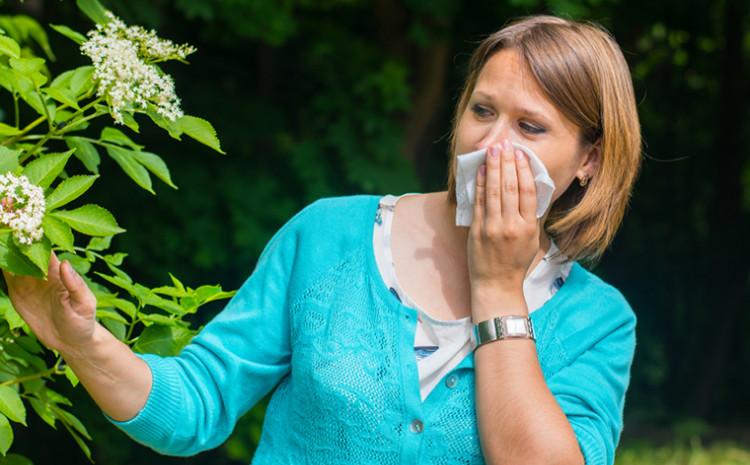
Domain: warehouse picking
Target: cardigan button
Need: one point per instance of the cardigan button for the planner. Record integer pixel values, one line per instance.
(416, 426)
(451, 381)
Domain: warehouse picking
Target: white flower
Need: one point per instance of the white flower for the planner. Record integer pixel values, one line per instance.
(123, 58)
(22, 207)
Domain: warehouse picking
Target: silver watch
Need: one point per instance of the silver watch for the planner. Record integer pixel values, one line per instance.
(503, 327)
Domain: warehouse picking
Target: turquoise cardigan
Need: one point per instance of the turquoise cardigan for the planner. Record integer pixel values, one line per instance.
(316, 322)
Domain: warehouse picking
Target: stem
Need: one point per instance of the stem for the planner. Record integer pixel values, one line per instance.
(55, 134)
(15, 107)
(91, 116)
(41, 374)
(44, 105)
(24, 131)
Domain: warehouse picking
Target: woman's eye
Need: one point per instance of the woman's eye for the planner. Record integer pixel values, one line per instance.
(480, 111)
(530, 128)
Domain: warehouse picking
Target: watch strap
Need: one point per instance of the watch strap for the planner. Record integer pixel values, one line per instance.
(503, 327)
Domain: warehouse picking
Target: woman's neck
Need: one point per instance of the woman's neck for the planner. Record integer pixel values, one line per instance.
(441, 213)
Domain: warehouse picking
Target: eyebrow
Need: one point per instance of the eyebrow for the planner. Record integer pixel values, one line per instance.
(528, 111)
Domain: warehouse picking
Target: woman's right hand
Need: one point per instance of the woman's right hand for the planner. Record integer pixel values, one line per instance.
(61, 311)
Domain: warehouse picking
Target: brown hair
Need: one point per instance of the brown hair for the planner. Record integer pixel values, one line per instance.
(581, 69)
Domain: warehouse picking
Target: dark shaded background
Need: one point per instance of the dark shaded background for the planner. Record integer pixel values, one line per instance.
(337, 97)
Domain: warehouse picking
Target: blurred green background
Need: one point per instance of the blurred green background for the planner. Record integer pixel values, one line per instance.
(337, 97)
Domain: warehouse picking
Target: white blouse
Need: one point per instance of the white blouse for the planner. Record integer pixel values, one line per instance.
(440, 345)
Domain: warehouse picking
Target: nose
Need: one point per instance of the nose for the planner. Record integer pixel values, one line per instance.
(496, 134)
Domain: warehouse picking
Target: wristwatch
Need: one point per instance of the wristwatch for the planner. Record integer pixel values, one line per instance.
(503, 327)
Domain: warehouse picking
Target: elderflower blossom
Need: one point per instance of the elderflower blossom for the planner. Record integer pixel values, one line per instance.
(22, 207)
(123, 58)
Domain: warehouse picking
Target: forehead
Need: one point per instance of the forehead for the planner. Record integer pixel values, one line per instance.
(507, 80)
(505, 74)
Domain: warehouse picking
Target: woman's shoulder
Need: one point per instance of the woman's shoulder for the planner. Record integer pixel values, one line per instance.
(593, 308)
(346, 214)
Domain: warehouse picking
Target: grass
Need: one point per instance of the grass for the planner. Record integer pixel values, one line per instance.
(691, 452)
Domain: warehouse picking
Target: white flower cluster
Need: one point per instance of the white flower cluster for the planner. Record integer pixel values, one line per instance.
(123, 58)
(22, 207)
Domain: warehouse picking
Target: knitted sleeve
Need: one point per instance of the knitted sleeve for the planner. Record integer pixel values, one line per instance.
(197, 396)
(591, 389)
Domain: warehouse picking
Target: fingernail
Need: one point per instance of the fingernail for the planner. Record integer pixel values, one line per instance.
(483, 170)
(493, 151)
(519, 155)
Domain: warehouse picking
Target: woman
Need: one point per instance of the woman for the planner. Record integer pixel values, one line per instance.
(364, 308)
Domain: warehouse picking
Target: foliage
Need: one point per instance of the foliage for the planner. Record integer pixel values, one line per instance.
(679, 453)
(63, 110)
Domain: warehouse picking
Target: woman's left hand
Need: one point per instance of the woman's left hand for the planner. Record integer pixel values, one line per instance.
(504, 234)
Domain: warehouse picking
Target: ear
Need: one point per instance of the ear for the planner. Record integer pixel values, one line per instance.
(592, 159)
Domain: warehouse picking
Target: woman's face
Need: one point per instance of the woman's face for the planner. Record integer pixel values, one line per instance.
(508, 103)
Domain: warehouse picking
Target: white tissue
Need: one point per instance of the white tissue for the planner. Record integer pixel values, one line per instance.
(466, 175)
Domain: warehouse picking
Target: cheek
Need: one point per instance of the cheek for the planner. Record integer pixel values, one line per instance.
(469, 133)
(559, 169)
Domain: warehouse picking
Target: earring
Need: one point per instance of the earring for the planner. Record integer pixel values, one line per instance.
(583, 181)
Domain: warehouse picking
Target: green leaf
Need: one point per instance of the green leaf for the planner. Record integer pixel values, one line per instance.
(176, 283)
(164, 304)
(76, 37)
(169, 126)
(43, 410)
(38, 252)
(69, 190)
(63, 96)
(45, 169)
(7, 130)
(8, 159)
(90, 219)
(115, 259)
(71, 376)
(11, 259)
(79, 264)
(207, 293)
(9, 47)
(118, 137)
(200, 130)
(9, 313)
(70, 419)
(11, 405)
(94, 10)
(62, 81)
(116, 328)
(129, 163)
(129, 120)
(156, 165)
(109, 314)
(86, 152)
(27, 66)
(58, 232)
(30, 344)
(29, 27)
(6, 435)
(163, 340)
(99, 243)
(126, 306)
(118, 281)
(82, 81)
(15, 459)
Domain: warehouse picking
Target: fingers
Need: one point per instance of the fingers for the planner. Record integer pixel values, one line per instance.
(509, 194)
(76, 287)
(53, 269)
(479, 199)
(526, 187)
(492, 185)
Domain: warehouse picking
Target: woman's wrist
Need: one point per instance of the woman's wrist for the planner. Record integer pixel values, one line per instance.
(487, 303)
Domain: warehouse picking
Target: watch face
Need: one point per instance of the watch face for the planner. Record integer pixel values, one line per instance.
(516, 327)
